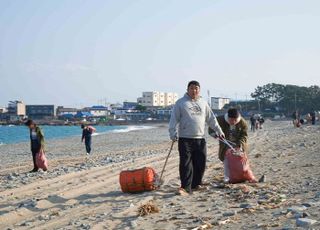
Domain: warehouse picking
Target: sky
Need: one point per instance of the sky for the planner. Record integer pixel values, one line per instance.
(84, 52)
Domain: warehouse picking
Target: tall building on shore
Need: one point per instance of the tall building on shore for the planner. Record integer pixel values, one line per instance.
(156, 98)
(217, 103)
(17, 108)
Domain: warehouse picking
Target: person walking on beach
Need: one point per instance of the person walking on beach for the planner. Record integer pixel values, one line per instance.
(187, 126)
(253, 122)
(261, 122)
(313, 117)
(37, 142)
(87, 137)
(296, 119)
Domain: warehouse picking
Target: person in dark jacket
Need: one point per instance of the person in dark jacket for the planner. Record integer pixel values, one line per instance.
(235, 129)
(313, 117)
(87, 137)
(253, 122)
(36, 140)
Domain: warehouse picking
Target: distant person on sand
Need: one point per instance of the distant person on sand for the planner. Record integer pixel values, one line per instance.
(313, 117)
(308, 118)
(187, 125)
(37, 141)
(87, 132)
(253, 122)
(296, 119)
(236, 130)
(261, 122)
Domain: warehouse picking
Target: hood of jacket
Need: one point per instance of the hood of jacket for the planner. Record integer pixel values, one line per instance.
(227, 119)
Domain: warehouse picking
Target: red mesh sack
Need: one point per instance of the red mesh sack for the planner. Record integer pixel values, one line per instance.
(238, 168)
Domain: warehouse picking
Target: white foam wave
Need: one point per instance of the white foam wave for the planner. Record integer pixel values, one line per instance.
(132, 128)
(125, 130)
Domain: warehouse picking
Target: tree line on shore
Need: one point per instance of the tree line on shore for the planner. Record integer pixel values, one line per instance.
(284, 99)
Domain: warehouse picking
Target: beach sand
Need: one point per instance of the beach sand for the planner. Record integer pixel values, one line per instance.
(82, 193)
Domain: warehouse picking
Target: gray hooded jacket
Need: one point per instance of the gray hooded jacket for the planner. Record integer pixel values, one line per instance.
(190, 118)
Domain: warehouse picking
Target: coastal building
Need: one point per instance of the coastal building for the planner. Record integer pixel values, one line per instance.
(217, 103)
(17, 108)
(66, 113)
(40, 111)
(120, 112)
(130, 105)
(116, 106)
(82, 114)
(156, 98)
(61, 111)
(98, 111)
(170, 99)
(163, 114)
(137, 116)
(3, 110)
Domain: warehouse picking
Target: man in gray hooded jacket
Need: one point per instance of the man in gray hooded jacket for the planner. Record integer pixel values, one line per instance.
(187, 125)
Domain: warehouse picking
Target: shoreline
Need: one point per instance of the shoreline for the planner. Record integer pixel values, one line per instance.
(77, 123)
(129, 128)
(71, 146)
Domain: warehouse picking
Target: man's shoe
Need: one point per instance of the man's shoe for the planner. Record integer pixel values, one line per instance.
(34, 170)
(200, 188)
(182, 192)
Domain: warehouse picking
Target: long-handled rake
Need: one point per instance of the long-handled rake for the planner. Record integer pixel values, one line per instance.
(160, 182)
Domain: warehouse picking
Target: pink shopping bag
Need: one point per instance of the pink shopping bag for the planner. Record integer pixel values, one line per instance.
(41, 160)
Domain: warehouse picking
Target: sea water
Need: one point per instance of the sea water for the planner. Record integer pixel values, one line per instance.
(15, 134)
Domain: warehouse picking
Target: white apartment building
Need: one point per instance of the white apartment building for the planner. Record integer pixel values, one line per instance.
(17, 108)
(218, 103)
(156, 98)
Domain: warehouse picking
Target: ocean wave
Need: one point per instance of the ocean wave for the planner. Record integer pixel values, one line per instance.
(126, 130)
(132, 128)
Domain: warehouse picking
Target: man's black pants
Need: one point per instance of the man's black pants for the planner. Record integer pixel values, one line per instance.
(193, 156)
(88, 144)
(35, 148)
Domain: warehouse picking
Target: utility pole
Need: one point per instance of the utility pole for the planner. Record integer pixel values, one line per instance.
(295, 101)
(246, 103)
